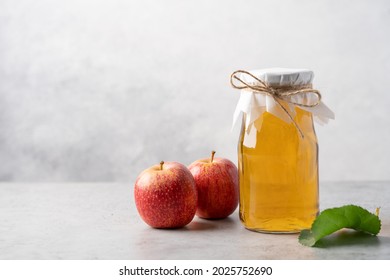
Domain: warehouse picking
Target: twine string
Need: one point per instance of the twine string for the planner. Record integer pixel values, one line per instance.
(278, 93)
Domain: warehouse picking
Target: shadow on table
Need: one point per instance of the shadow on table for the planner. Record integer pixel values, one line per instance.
(199, 226)
(205, 224)
(350, 238)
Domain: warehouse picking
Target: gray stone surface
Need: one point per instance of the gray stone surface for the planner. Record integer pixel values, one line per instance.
(100, 221)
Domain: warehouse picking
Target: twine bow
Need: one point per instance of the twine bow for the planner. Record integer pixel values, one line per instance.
(278, 93)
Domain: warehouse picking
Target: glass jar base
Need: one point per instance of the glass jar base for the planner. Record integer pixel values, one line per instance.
(293, 231)
(279, 226)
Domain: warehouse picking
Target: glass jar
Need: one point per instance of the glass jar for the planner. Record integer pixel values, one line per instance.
(278, 154)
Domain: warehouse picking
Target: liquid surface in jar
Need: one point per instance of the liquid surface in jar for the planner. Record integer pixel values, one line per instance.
(279, 177)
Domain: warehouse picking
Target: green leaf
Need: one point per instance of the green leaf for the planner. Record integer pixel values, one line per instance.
(334, 219)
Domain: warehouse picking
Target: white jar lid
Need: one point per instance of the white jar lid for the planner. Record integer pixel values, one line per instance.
(281, 76)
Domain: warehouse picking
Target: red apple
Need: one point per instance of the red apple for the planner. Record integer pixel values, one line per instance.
(217, 185)
(165, 195)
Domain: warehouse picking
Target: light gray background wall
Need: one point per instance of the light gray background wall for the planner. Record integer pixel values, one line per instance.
(100, 90)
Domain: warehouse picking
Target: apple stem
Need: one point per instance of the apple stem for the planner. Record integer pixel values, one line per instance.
(161, 165)
(212, 156)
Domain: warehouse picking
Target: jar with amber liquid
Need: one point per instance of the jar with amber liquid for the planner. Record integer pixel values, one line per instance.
(278, 149)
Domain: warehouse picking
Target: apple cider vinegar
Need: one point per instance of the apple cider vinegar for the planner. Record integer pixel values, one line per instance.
(279, 177)
(277, 149)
